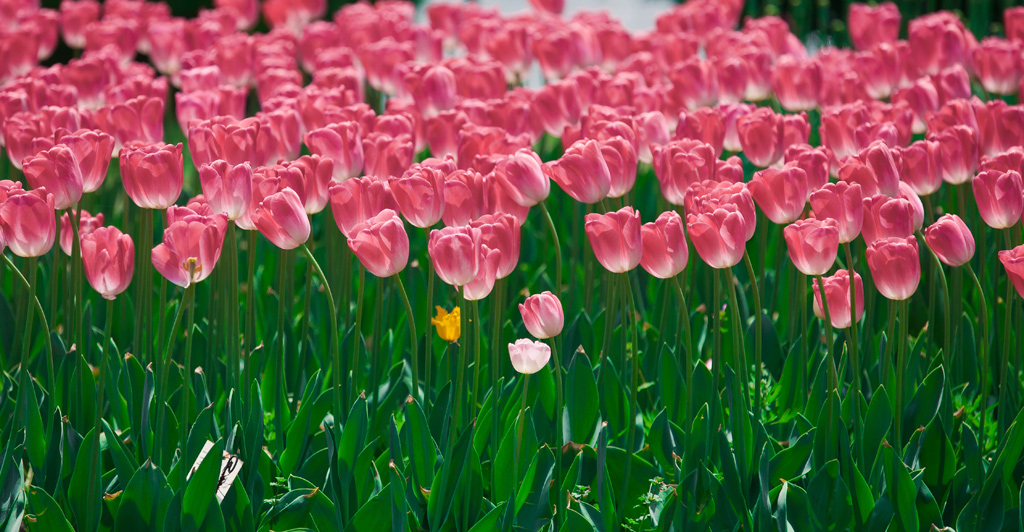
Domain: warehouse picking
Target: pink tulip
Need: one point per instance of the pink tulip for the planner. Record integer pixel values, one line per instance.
(796, 130)
(879, 69)
(108, 256)
(190, 249)
(652, 129)
(1000, 197)
(228, 189)
(357, 200)
(615, 238)
(465, 197)
(92, 150)
(481, 286)
(57, 170)
(837, 128)
(875, 169)
(797, 82)
(998, 65)
(343, 144)
(837, 294)
(455, 253)
(761, 135)
(315, 173)
(419, 194)
(542, 315)
(958, 150)
(74, 17)
(922, 167)
(88, 224)
(281, 218)
(522, 176)
(813, 161)
(706, 124)
(665, 252)
(729, 170)
(27, 222)
(224, 138)
(501, 232)
(680, 165)
(1013, 263)
(381, 244)
(387, 156)
(582, 172)
(938, 40)
(1013, 20)
(139, 119)
(843, 203)
(780, 193)
(529, 357)
(886, 217)
(951, 240)
(895, 266)
(152, 174)
(813, 245)
(620, 157)
(869, 25)
(718, 231)
(916, 206)
(694, 84)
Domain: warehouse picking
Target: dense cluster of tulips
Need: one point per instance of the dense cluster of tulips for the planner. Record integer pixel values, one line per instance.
(864, 184)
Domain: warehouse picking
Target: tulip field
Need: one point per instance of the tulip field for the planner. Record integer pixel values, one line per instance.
(277, 265)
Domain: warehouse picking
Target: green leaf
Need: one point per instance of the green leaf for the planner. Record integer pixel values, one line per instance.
(794, 513)
(86, 511)
(876, 424)
(901, 489)
(145, 501)
(791, 462)
(925, 405)
(44, 514)
(423, 453)
(582, 402)
(312, 411)
(201, 490)
(399, 518)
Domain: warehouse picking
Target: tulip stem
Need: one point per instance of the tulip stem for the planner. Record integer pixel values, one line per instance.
(76, 268)
(829, 343)
(901, 369)
(413, 339)
(890, 333)
(476, 357)
(688, 346)
(55, 272)
(609, 320)
(30, 288)
(983, 346)
(303, 346)
(558, 249)
(519, 428)
(496, 390)
(335, 355)
(634, 384)
(250, 301)
(186, 299)
(460, 371)
(26, 344)
(429, 355)
(736, 328)
(559, 435)
(280, 396)
(757, 332)
(357, 333)
(378, 346)
(186, 388)
(232, 304)
(95, 458)
(1004, 415)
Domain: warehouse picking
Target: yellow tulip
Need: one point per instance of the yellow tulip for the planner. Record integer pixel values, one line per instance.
(448, 324)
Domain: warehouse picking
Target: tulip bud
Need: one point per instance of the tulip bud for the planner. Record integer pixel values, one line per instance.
(455, 253)
(1000, 197)
(813, 245)
(27, 222)
(152, 174)
(951, 240)
(781, 194)
(615, 239)
(281, 218)
(895, 266)
(57, 170)
(582, 172)
(529, 357)
(108, 256)
(381, 244)
(542, 315)
(665, 252)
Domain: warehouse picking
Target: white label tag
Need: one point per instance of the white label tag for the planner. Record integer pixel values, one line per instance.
(230, 466)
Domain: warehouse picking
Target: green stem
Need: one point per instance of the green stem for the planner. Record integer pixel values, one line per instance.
(55, 273)
(687, 346)
(77, 272)
(186, 300)
(1004, 415)
(519, 429)
(306, 319)
(558, 249)
(250, 302)
(609, 322)
(890, 341)
(631, 422)
(559, 435)
(757, 331)
(413, 338)
(378, 344)
(476, 357)
(737, 335)
(335, 351)
(460, 370)
(186, 388)
(279, 393)
(357, 334)
(496, 391)
(983, 346)
(234, 348)
(39, 309)
(95, 458)
(828, 335)
(429, 355)
(852, 331)
(901, 369)
(26, 345)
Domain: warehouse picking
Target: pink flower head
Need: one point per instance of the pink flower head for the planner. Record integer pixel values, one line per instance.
(620, 157)
(139, 119)
(387, 156)
(681, 164)
(837, 295)
(343, 144)
(951, 240)
(694, 84)
(190, 249)
(88, 224)
(542, 315)
(843, 203)
(92, 150)
(455, 253)
(74, 17)
(922, 167)
(582, 172)
(419, 194)
(615, 239)
(875, 169)
(871, 25)
(529, 357)
(152, 174)
(357, 200)
(57, 170)
(665, 252)
(719, 230)
(998, 64)
(522, 175)
(27, 223)
(381, 244)
(281, 218)
(108, 256)
(224, 138)
(813, 245)
(780, 193)
(886, 217)
(813, 161)
(895, 266)
(481, 286)
(761, 135)
(1013, 263)
(706, 124)
(797, 82)
(465, 197)
(227, 188)
(1000, 197)
(938, 40)
(501, 232)
(958, 150)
